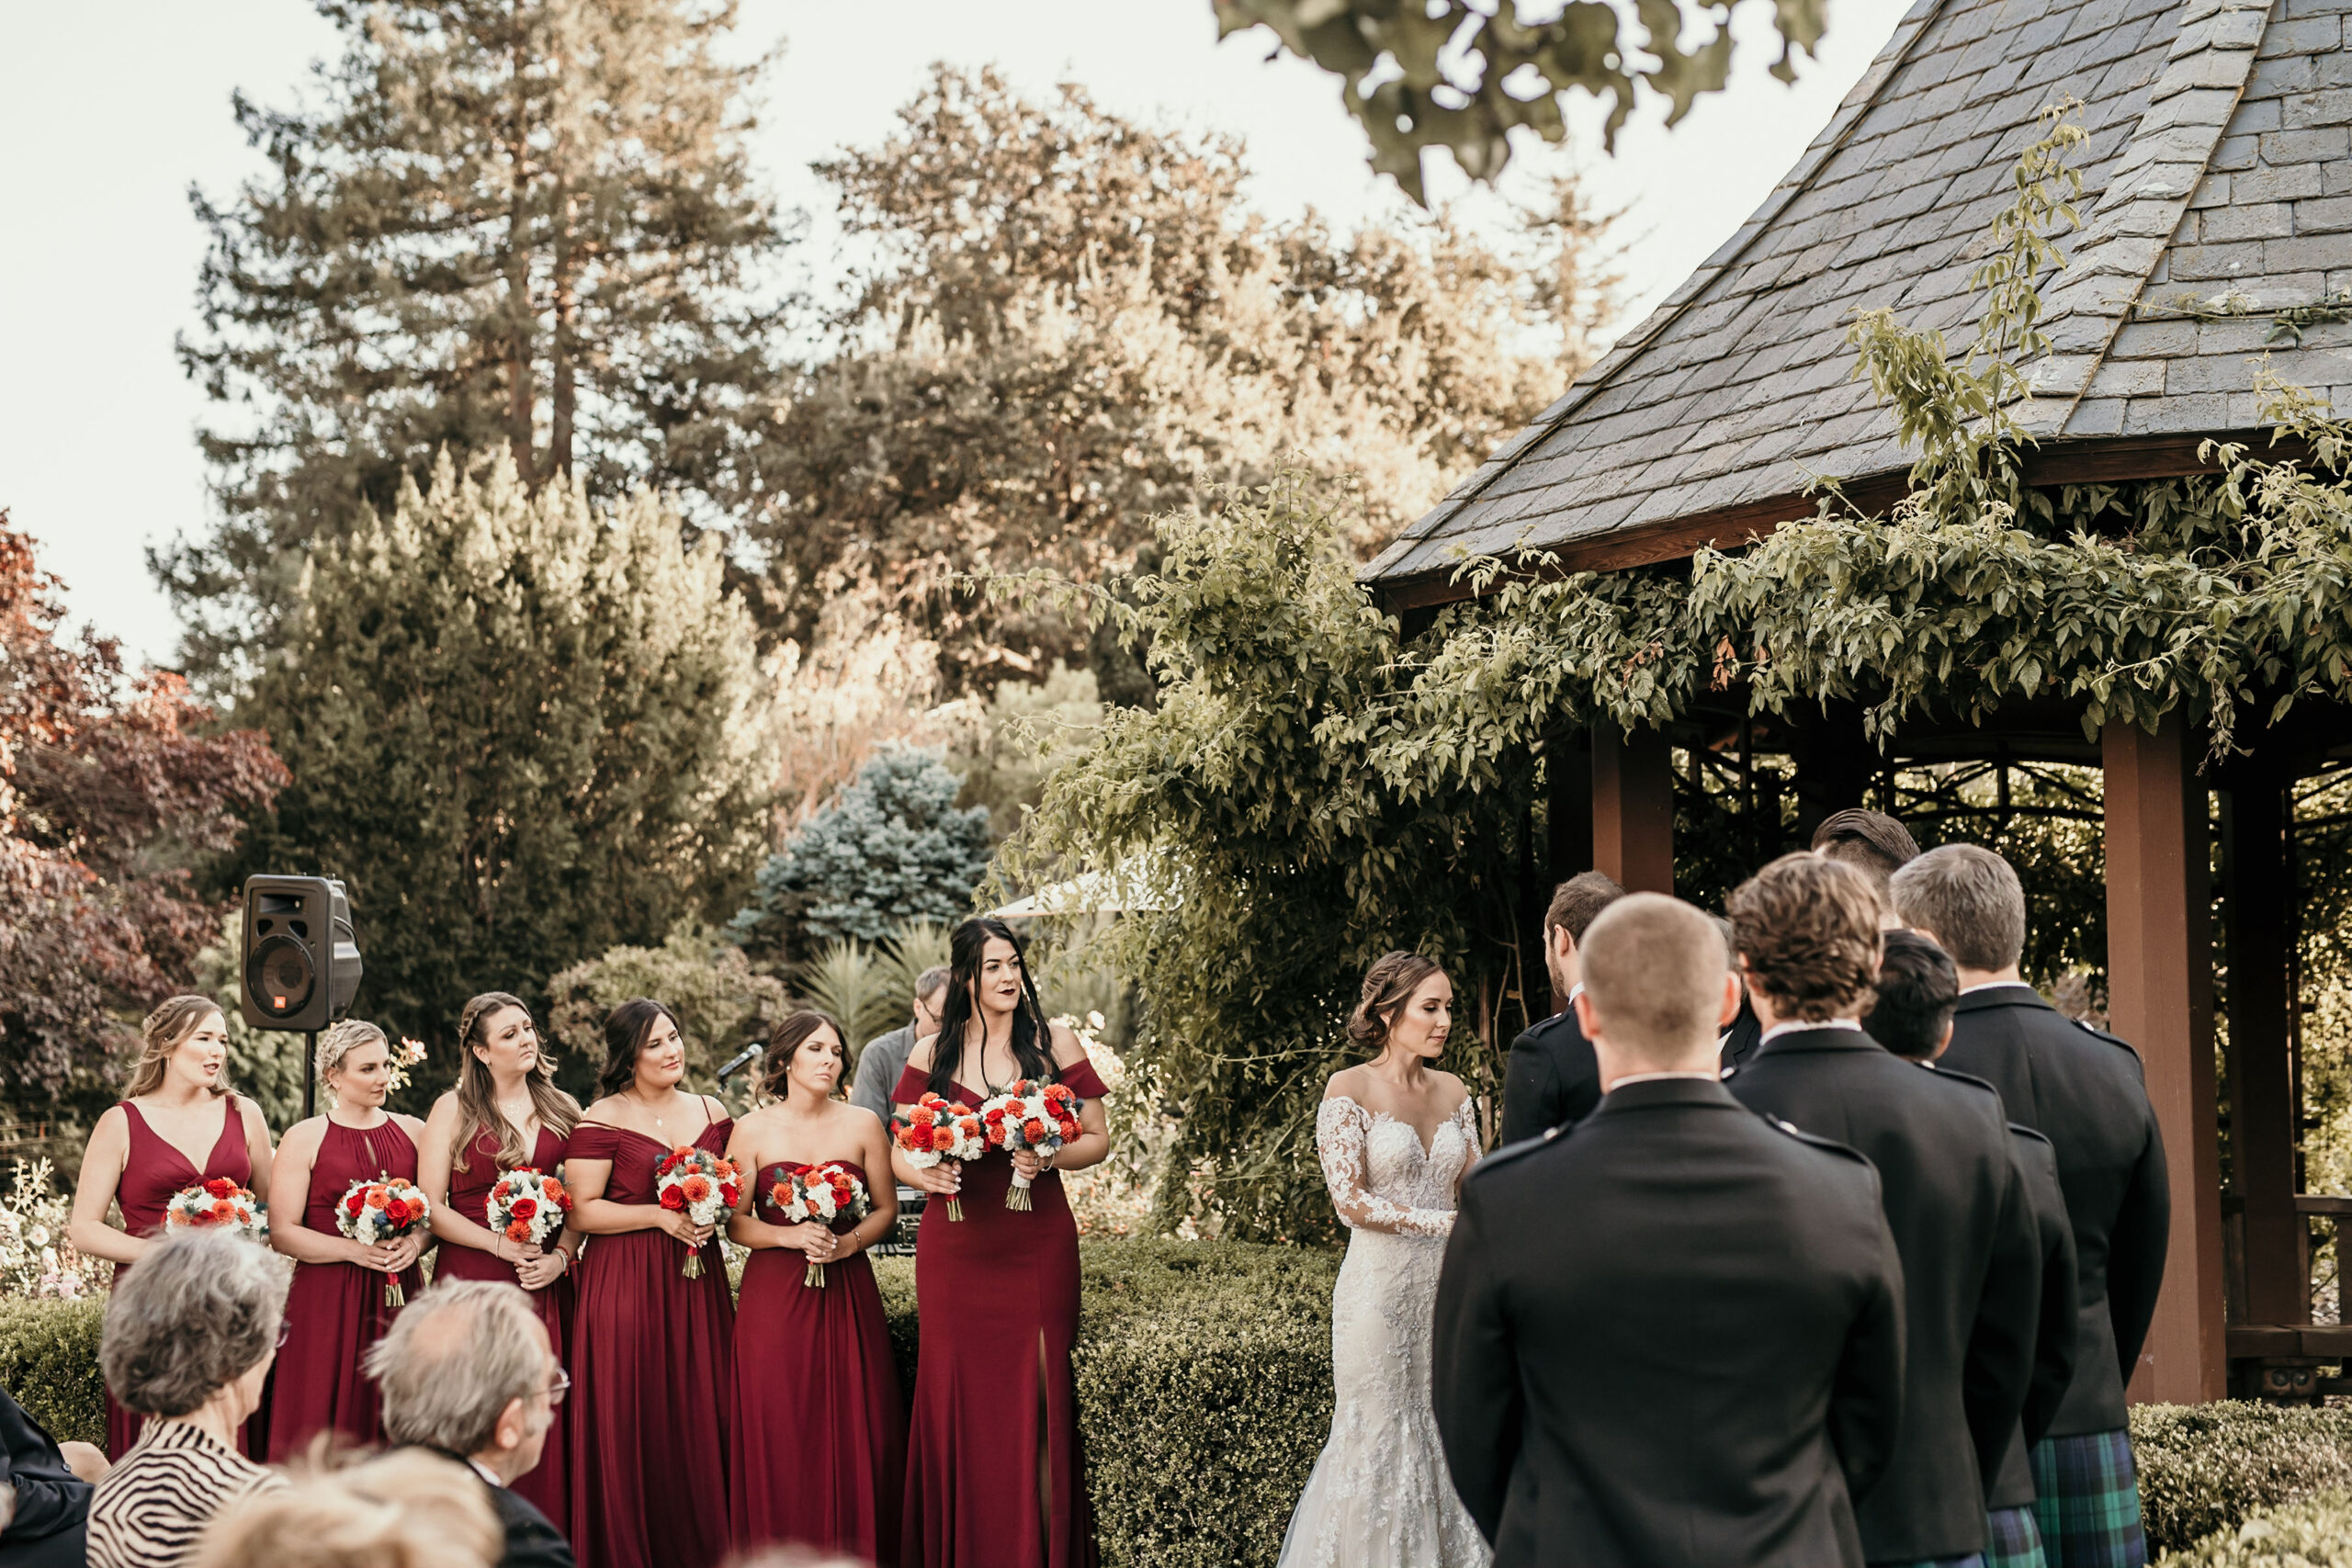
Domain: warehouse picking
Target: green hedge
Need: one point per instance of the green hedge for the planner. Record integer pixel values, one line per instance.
(2314, 1533)
(2205, 1468)
(48, 1359)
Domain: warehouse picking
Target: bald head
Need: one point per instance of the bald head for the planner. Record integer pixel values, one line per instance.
(1658, 986)
(467, 1369)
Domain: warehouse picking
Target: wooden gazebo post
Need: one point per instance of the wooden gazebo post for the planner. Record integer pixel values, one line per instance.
(2160, 998)
(1632, 809)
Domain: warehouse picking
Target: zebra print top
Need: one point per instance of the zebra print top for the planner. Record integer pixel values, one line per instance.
(154, 1506)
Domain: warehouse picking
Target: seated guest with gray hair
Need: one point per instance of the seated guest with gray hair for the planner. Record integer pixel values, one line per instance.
(467, 1370)
(404, 1509)
(190, 1337)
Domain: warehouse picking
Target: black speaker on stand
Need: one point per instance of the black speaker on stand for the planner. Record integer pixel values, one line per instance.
(302, 962)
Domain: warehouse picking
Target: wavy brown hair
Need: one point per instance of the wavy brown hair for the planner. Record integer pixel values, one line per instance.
(165, 1030)
(1388, 985)
(478, 1096)
(1807, 930)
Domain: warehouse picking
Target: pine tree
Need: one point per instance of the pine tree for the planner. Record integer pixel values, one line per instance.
(523, 728)
(519, 223)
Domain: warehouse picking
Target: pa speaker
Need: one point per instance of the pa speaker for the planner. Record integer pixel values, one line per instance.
(301, 965)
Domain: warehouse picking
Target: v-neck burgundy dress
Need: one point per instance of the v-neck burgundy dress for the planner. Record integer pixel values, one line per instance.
(546, 1485)
(651, 1364)
(986, 1286)
(334, 1311)
(152, 1173)
(819, 1434)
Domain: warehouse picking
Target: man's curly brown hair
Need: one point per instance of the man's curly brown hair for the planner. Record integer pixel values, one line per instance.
(1807, 930)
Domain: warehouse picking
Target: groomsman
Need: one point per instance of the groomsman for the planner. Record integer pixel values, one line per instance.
(1873, 844)
(2083, 1091)
(1552, 1080)
(1699, 1361)
(1808, 935)
(1917, 989)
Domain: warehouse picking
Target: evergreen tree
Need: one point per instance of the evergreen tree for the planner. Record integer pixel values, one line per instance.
(892, 847)
(523, 729)
(529, 224)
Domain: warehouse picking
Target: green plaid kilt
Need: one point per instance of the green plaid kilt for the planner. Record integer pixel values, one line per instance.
(2013, 1540)
(2088, 1504)
(1973, 1560)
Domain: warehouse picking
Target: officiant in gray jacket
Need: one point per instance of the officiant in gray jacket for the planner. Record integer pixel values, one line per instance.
(885, 1056)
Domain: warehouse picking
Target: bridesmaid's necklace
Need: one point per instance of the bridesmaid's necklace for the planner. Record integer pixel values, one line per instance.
(657, 1121)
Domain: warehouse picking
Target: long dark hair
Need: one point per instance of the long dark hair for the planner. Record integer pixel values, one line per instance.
(785, 1044)
(627, 1028)
(1033, 1045)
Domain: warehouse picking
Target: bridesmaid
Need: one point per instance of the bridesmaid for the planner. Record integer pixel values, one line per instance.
(505, 1114)
(994, 1475)
(178, 1125)
(651, 1360)
(818, 1433)
(336, 1308)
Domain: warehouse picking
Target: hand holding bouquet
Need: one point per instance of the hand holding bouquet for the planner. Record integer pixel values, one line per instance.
(1038, 1117)
(820, 1195)
(374, 1212)
(939, 1129)
(528, 1207)
(216, 1203)
(699, 1185)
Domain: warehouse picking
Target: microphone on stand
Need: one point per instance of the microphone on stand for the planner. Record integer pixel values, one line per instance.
(739, 1061)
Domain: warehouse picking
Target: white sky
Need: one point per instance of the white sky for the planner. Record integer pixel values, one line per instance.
(110, 112)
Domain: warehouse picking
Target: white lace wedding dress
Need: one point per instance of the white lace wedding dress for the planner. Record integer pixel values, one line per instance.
(1379, 1496)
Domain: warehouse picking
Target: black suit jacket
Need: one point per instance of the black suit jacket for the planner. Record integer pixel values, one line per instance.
(1971, 1268)
(1740, 1038)
(1692, 1365)
(2085, 1092)
(52, 1503)
(2053, 1345)
(531, 1541)
(1553, 1079)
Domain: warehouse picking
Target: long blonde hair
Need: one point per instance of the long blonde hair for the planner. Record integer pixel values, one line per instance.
(478, 1096)
(165, 1030)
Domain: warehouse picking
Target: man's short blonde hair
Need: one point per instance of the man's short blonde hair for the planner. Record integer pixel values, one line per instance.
(1654, 971)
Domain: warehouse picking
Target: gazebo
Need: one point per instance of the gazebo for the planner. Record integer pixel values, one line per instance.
(2216, 226)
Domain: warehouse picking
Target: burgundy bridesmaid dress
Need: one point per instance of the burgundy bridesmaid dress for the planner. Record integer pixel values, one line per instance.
(546, 1486)
(152, 1172)
(986, 1286)
(334, 1311)
(651, 1365)
(820, 1436)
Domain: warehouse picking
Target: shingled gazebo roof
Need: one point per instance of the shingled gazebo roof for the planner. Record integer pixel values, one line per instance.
(2219, 160)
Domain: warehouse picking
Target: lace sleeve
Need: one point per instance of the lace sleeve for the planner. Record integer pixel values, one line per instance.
(1468, 1116)
(1339, 1130)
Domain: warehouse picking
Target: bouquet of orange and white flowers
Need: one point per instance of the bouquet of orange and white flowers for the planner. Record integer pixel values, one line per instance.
(701, 1186)
(820, 1195)
(371, 1213)
(219, 1203)
(1029, 1115)
(528, 1207)
(938, 1129)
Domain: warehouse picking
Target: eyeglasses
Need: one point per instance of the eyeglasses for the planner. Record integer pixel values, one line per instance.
(285, 1332)
(558, 1389)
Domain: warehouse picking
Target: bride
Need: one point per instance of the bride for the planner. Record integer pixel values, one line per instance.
(1395, 1136)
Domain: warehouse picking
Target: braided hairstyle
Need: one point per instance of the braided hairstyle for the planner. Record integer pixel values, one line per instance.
(339, 1042)
(1388, 985)
(1033, 1042)
(478, 1096)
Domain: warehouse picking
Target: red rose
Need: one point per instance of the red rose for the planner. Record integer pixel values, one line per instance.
(352, 1204)
(522, 1208)
(221, 1186)
(729, 1194)
(671, 1199)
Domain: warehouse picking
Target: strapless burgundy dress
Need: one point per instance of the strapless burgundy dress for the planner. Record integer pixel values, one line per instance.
(650, 1366)
(152, 1173)
(334, 1311)
(986, 1286)
(547, 1486)
(819, 1433)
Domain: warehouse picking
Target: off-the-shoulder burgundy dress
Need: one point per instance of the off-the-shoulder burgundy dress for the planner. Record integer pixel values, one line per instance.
(152, 1172)
(998, 1280)
(651, 1365)
(546, 1485)
(819, 1434)
(334, 1311)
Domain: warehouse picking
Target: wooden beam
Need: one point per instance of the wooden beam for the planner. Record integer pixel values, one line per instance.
(1632, 809)
(2264, 1118)
(2160, 990)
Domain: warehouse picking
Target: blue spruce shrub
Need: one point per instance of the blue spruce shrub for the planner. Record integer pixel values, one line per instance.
(890, 846)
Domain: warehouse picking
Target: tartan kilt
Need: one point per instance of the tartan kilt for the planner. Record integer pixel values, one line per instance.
(2013, 1540)
(2088, 1502)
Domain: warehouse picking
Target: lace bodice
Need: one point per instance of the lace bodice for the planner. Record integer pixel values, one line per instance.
(1380, 1177)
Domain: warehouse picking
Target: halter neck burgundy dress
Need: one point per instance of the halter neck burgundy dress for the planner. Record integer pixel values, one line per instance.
(334, 1311)
(997, 1280)
(152, 1171)
(819, 1434)
(546, 1486)
(652, 1358)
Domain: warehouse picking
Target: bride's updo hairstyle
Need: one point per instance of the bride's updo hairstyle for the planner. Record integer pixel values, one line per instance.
(1388, 985)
